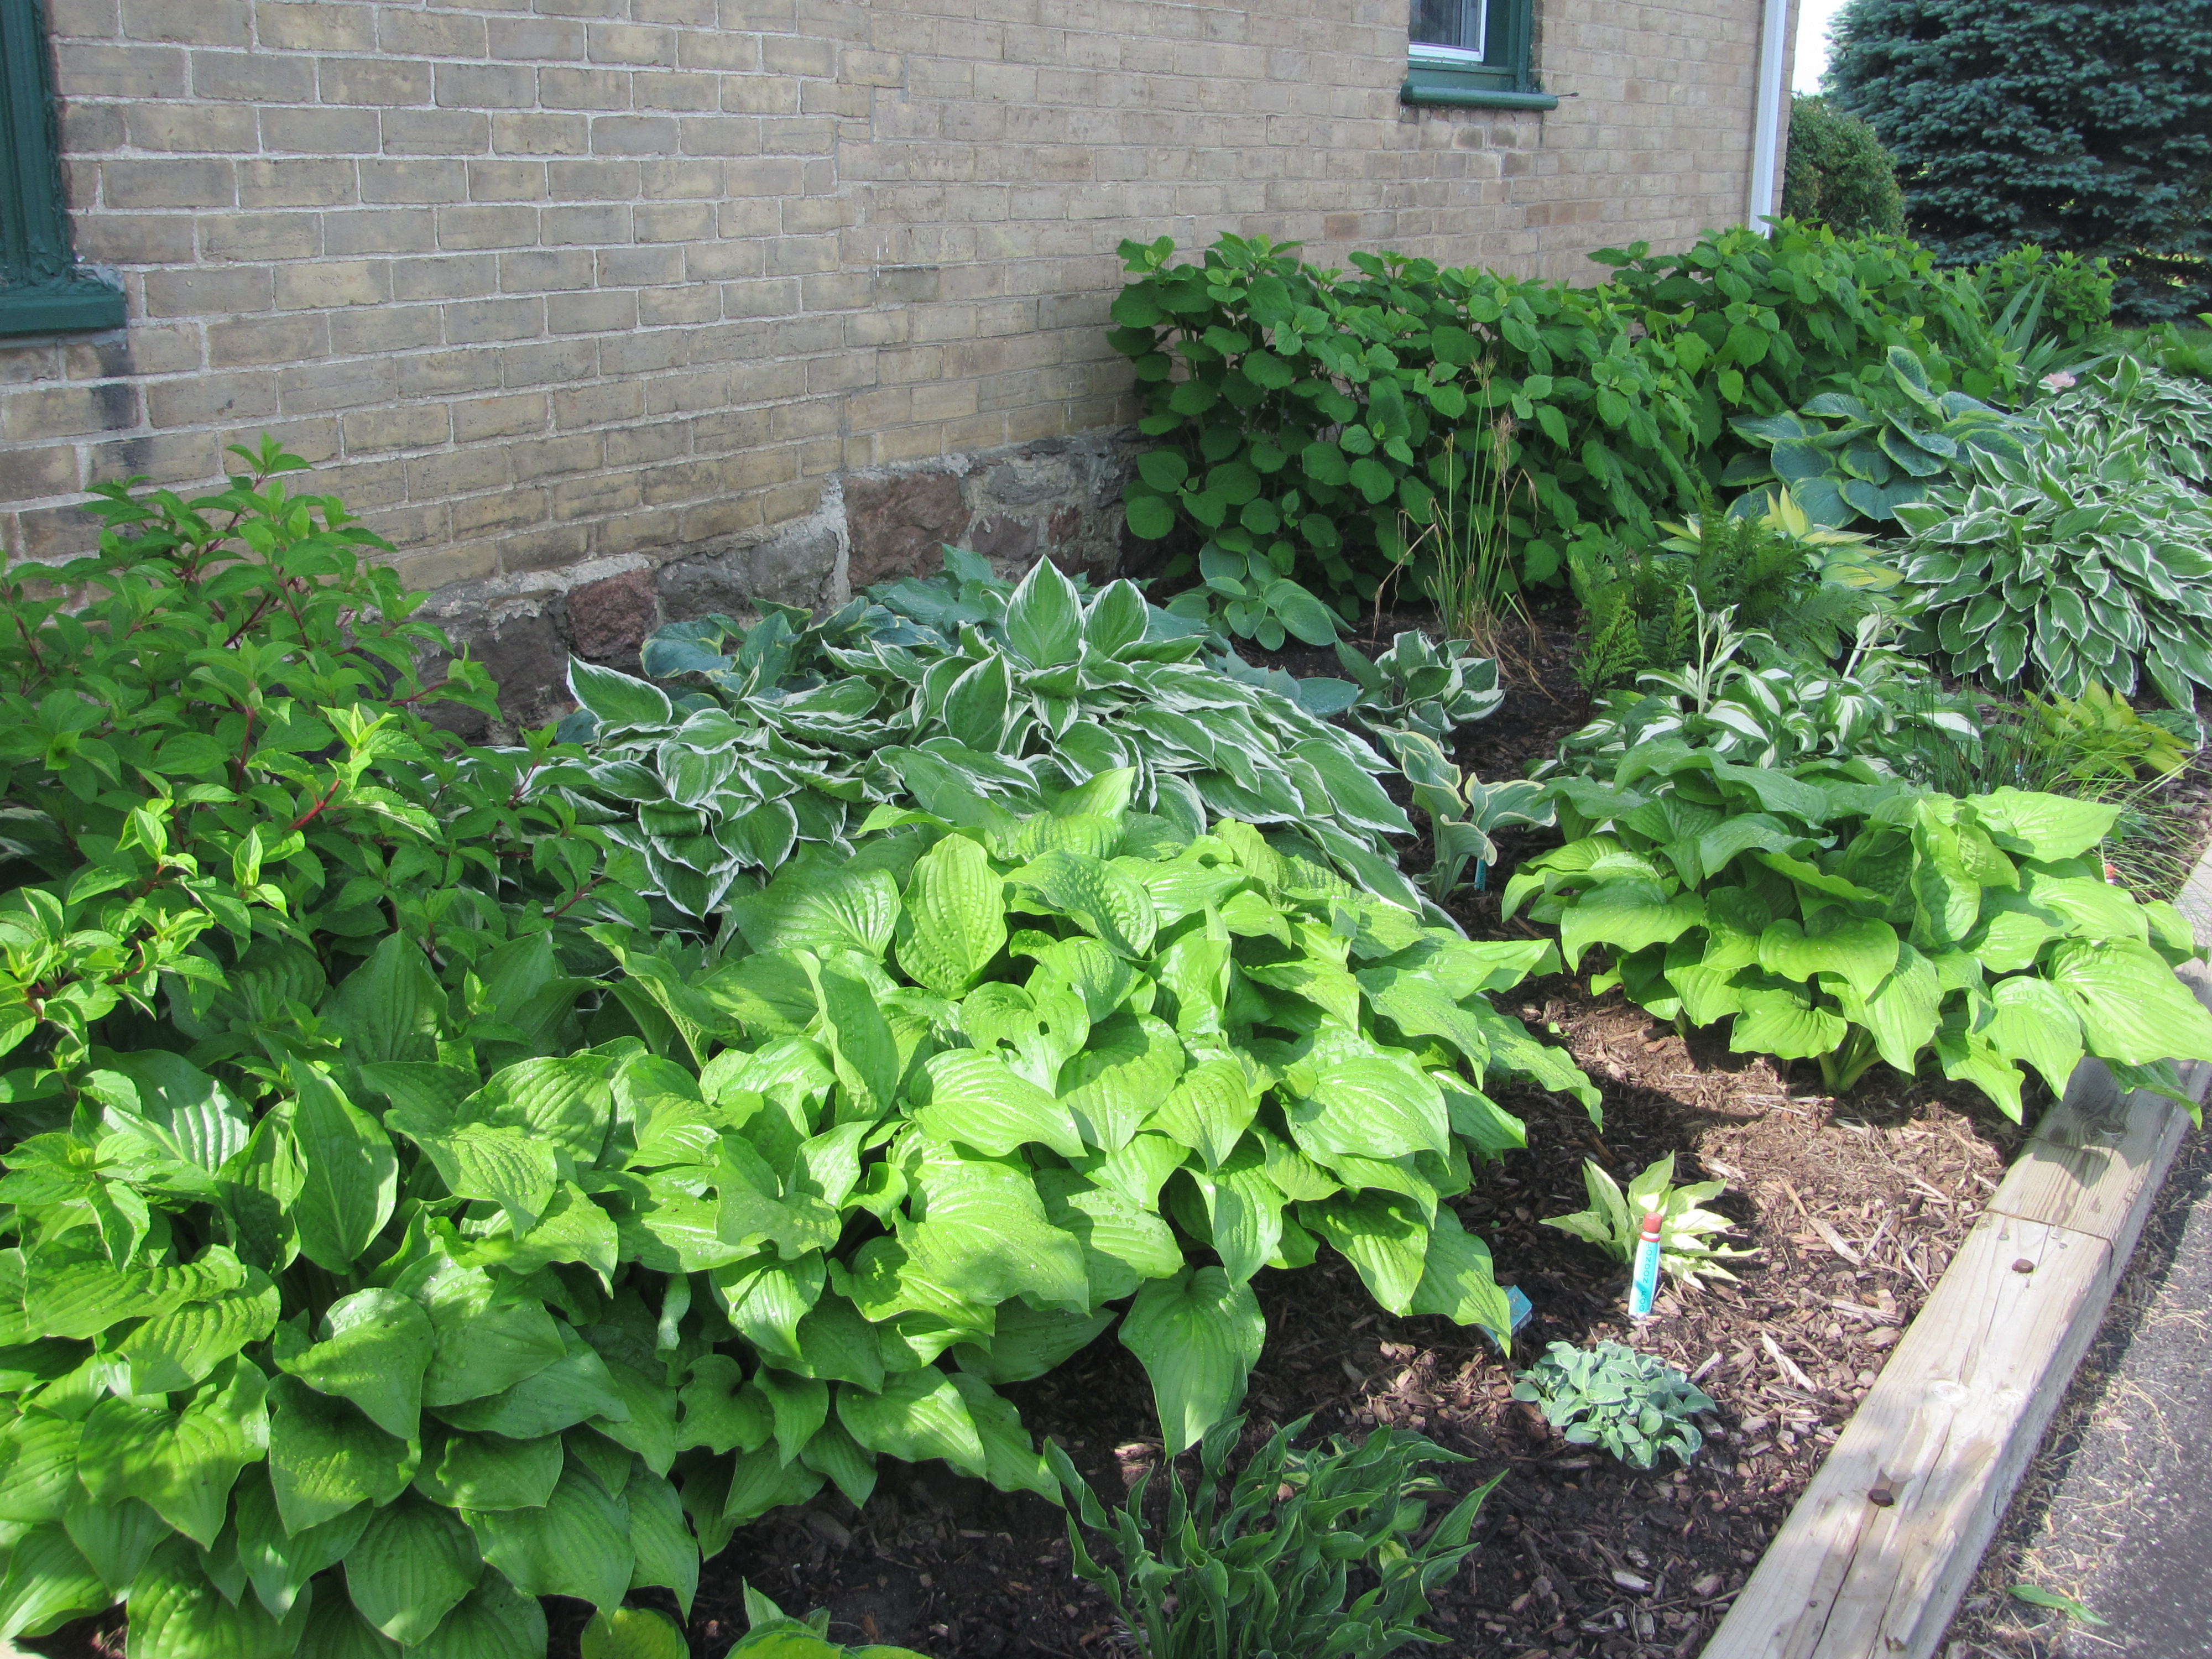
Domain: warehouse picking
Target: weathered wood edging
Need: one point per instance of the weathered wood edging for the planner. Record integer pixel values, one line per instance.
(1873, 1558)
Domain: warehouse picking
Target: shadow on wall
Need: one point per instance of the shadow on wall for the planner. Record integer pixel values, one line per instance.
(1060, 496)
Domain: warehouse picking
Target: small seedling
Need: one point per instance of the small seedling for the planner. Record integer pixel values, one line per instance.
(1260, 1569)
(775, 1634)
(1634, 1404)
(2037, 1597)
(1614, 1218)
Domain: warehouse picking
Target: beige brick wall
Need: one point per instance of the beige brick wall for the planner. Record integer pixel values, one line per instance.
(552, 280)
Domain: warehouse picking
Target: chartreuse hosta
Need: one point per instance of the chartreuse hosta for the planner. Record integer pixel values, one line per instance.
(1835, 914)
(376, 1343)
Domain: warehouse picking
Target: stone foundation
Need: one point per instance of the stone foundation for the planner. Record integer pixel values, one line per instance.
(1056, 497)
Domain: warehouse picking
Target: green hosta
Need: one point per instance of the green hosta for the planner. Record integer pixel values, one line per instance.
(944, 694)
(1261, 1570)
(2086, 561)
(1463, 811)
(383, 1341)
(1892, 438)
(1877, 704)
(1634, 1404)
(1418, 685)
(1614, 1220)
(1833, 914)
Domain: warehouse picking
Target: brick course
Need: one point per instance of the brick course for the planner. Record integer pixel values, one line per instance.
(543, 282)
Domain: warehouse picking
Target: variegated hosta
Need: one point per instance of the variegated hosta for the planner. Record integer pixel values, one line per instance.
(1878, 704)
(1835, 914)
(943, 692)
(1418, 685)
(2173, 412)
(2087, 560)
(383, 1339)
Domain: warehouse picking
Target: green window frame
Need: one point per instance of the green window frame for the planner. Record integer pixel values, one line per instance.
(1474, 53)
(43, 289)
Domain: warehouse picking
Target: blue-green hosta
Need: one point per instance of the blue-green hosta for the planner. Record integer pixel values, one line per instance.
(1835, 914)
(957, 689)
(376, 1342)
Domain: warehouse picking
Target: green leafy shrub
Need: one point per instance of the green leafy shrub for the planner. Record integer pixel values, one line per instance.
(1614, 1220)
(948, 694)
(1634, 1404)
(2085, 560)
(2071, 297)
(1838, 174)
(1320, 416)
(1262, 1569)
(1836, 914)
(2171, 413)
(1877, 704)
(1893, 435)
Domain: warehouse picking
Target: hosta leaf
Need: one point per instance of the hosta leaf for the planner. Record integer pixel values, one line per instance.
(1044, 618)
(181, 1464)
(975, 704)
(349, 1178)
(834, 1453)
(481, 1341)
(176, 1349)
(496, 1621)
(1027, 1342)
(823, 912)
(761, 1481)
(1374, 1106)
(388, 1008)
(572, 1229)
(567, 1103)
(184, 1113)
(117, 1538)
(1786, 1025)
(766, 1299)
(861, 1047)
(577, 1544)
(490, 1472)
(1208, 1111)
(1902, 1012)
(1243, 1215)
(48, 1583)
(325, 1456)
(2035, 1025)
(413, 1564)
(336, 1631)
(2045, 827)
(176, 1613)
(721, 1411)
(983, 1236)
(510, 1165)
(1010, 1461)
(1456, 1280)
(1198, 1336)
(919, 1415)
(1132, 1062)
(799, 1405)
(954, 922)
(666, 1554)
(38, 1465)
(1384, 1234)
(1628, 915)
(1861, 950)
(1419, 1005)
(1123, 1244)
(1104, 901)
(2131, 1006)
(279, 1563)
(573, 1389)
(970, 1098)
(375, 1349)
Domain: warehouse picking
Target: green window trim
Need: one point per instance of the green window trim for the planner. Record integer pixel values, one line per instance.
(43, 291)
(1503, 77)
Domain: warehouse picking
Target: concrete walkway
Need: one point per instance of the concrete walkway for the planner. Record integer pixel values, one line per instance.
(2116, 1509)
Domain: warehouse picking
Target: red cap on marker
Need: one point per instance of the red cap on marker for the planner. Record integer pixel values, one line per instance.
(1651, 1224)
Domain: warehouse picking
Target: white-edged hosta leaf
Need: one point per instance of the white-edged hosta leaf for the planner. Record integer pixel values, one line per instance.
(375, 1348)
(918, 1415)
(1044, 618)
(617, 700)
(1198, 1337)
(413, 1564)
(576, 1544)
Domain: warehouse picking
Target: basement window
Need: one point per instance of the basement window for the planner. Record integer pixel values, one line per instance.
(43, 291)
(1474, 53)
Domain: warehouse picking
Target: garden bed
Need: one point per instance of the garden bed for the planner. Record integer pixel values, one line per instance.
(1859, 1204)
